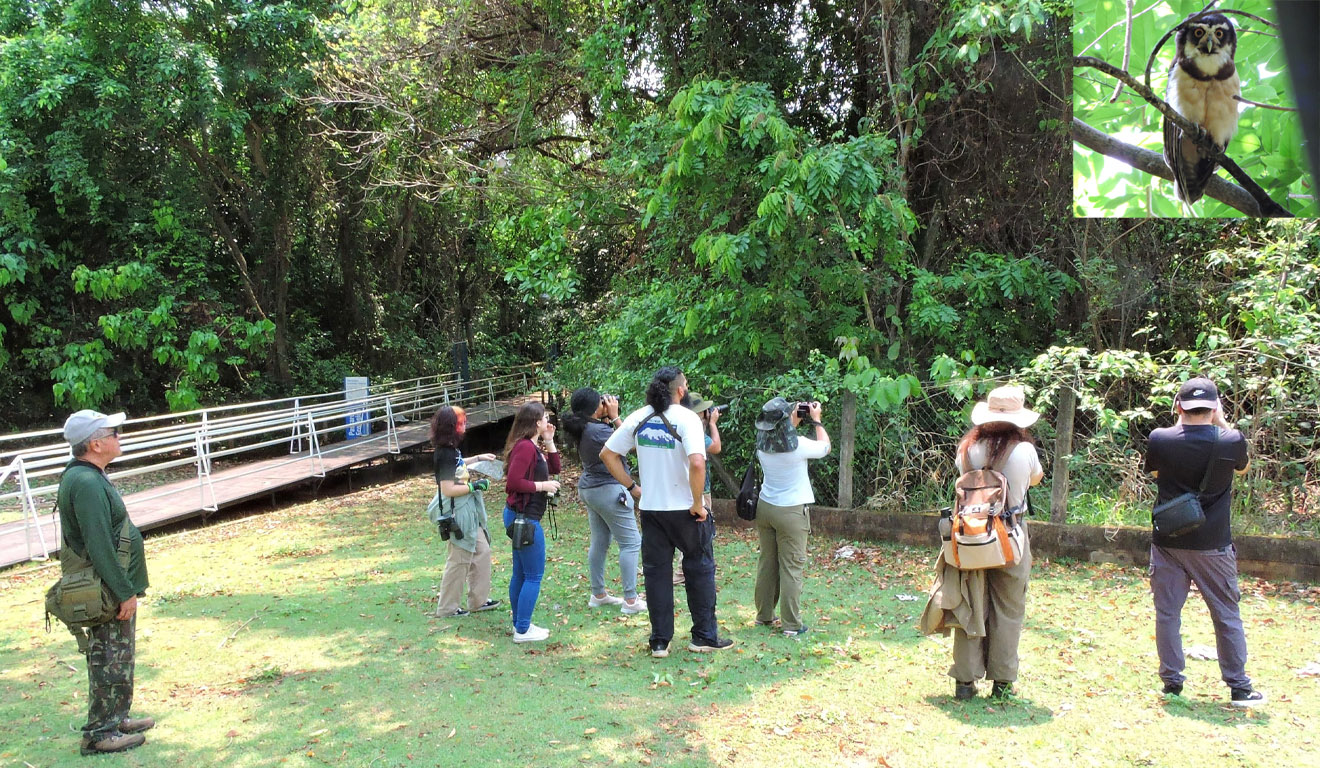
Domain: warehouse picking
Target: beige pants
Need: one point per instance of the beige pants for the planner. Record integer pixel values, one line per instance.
(783, 533)
(464, 567)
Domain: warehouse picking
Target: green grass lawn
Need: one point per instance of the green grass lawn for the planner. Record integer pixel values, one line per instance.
(303, 637)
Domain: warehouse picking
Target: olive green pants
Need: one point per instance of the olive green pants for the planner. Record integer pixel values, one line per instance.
(783, 532)
(995, 656)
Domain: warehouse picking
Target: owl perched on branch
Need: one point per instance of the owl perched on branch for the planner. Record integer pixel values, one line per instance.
(1203, 82)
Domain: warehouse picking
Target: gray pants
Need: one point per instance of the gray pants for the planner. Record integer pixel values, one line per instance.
(1214, 571)
(610, 512)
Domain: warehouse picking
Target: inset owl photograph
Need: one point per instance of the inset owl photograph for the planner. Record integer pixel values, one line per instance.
(1222, 71)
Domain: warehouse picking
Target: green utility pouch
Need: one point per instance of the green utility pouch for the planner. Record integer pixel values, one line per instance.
(79, 599)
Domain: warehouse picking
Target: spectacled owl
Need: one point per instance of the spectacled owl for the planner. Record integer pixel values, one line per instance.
(1202, 83)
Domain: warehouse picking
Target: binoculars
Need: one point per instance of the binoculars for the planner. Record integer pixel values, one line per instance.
(447, 529)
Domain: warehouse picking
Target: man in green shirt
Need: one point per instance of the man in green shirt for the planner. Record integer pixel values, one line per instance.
(94, 520)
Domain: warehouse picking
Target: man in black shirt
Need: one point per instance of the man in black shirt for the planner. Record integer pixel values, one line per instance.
(1179, 459)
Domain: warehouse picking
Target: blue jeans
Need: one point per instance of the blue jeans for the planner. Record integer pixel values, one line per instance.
(610, 512)
(528, 568)
(662, 533)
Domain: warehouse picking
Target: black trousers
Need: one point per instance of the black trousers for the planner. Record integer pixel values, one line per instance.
(662, 533)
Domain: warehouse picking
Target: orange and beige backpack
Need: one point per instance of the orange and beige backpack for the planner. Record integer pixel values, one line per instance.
(980, 531)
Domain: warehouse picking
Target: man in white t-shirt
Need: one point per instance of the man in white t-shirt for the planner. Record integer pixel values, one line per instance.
(671, 459)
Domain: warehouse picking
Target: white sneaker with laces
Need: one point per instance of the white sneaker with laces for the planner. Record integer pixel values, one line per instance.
(636, 606)
(534, 634)
(608, 599)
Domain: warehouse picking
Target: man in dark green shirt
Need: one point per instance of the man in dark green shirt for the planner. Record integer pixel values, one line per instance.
(94, 520)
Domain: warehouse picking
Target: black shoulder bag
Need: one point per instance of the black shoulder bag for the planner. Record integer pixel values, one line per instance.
(749, 494)
(1183, 514)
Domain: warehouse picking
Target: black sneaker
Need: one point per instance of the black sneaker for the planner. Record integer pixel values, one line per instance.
(1002, 690)
(964, 691)
(1173, 689)
(710, 646)
(659, 649)
(487, 606)
(802, 630)
(1246, 697)
(455, 615)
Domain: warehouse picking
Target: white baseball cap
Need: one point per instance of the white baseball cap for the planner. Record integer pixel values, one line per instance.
(82, 425)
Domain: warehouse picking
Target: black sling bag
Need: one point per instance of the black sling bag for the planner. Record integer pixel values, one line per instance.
(1183, 514)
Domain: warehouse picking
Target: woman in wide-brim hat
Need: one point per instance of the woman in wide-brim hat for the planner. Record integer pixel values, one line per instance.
(984, 609)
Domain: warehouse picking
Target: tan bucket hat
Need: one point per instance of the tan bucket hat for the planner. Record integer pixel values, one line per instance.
(1007, 404)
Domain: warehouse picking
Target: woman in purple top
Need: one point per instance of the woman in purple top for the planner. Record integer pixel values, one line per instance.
(530, 457)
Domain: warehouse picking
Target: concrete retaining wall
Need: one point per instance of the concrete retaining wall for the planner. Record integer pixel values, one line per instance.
(1269, 557)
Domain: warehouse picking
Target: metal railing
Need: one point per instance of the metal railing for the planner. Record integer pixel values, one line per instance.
(309, 425)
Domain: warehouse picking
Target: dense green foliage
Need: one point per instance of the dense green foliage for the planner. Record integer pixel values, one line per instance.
(205, 202)
(1267, 145)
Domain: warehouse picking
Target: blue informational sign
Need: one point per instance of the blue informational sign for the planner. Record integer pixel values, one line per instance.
(359, 422)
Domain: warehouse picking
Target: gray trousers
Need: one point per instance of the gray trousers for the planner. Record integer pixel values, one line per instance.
(610, 512)
(1214, 571)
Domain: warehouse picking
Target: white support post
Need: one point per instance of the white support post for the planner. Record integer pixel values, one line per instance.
(391, 433)
(490, 392)
(314, 447)
(295, 436)
(30, 515)
(202, 445)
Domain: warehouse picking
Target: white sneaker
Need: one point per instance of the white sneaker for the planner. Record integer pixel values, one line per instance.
(534, 634)
(608, 599)
(637, 606)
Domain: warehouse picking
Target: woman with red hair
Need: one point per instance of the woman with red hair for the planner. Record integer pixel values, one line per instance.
(462, 516)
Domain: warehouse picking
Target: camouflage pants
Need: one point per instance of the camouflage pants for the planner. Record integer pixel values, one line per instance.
(110, 677)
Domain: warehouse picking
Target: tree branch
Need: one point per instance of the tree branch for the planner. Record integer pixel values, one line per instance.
(1153, 163)
(1193, 131)
(1127, 52)
(1266, 106)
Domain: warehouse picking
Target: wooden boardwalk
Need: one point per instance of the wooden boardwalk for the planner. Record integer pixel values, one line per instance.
(185, 499)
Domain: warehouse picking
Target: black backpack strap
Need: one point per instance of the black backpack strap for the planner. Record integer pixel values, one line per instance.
(1210, 466)
(669, 427)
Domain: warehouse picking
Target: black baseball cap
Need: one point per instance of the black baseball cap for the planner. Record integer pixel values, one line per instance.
(1198, 393)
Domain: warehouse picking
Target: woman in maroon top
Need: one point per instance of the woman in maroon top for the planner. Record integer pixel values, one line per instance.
(530, 457)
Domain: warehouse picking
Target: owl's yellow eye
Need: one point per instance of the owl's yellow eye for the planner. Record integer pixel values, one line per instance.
(1219, 34)
(1200, 32)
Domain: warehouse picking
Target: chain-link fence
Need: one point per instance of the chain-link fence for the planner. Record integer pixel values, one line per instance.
(902, 458)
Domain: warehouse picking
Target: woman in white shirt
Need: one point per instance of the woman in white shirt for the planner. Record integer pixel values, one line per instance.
(984, 609)
(782, 516)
